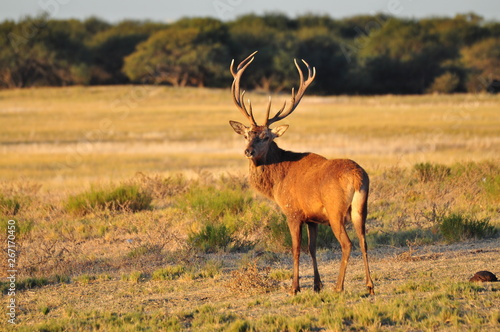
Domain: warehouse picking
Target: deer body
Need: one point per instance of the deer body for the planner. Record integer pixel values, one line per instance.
(307, 187)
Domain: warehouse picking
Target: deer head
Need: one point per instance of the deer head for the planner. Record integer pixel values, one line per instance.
(259, 138)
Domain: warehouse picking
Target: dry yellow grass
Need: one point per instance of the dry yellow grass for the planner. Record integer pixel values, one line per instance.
(56, 142)
(62, 135)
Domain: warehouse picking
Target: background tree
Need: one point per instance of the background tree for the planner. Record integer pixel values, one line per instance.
(109, 46)
(366, 54)
(37, 51)
(482, 60)
(403, 56)
(191, 52)
(273, 36)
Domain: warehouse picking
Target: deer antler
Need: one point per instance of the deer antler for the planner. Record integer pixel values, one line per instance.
(296, 97)
(235, 88)
(282, 113)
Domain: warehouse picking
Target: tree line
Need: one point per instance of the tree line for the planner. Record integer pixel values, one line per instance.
(370, 54)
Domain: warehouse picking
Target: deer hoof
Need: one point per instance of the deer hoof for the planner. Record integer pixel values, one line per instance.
(318, 287)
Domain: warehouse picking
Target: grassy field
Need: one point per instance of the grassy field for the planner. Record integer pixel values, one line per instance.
(132, 213)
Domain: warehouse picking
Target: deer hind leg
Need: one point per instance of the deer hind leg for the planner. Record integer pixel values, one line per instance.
(337, 222)
(296, 233)
(358, 216)
(312, 231)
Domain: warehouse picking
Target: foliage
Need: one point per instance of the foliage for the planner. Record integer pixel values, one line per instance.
(482, 60)
(211, 238)
(426, 172)
(121, 198)
(446, 83)
(362, 54)
(457, 227)
(183, 54)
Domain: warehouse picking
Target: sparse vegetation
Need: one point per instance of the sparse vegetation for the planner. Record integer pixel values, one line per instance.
(121, 198)
(457, 227)
(113, 268)
(169, 273)
(9, 206)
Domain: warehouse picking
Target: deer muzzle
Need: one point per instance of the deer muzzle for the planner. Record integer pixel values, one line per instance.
(249, 152)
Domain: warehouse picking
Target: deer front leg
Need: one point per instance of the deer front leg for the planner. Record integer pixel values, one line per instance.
(312, 230)
(296, 233)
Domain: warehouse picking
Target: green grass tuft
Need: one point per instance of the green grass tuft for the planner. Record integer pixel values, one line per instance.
(457, 227)
(9, 206)
(169, 273)
(211, 238)
(121, 198)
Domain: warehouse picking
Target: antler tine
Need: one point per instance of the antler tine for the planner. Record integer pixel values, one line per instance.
(296, 97)
(238, 97)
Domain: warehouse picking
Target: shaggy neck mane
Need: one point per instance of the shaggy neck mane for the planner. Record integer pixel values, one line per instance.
(272, 168)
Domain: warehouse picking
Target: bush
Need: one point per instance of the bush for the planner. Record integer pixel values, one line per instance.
(211, 238)
(457, 227)
(122, 198)
(427, 172)
(213, 203)
(446, 83)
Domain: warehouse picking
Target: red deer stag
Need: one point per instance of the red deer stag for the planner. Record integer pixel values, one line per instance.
(307, 187)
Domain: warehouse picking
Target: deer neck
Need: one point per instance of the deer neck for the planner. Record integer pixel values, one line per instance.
(269, 172)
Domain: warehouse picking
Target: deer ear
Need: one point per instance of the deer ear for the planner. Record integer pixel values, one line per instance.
(239, 128)
(280, 130)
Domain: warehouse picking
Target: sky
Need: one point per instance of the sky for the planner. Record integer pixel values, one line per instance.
(169, 11)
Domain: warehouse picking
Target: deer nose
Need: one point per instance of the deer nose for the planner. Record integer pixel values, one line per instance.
(249, 153)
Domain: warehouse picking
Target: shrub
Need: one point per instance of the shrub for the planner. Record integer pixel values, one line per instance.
(213, 203)
(427, 172)
(211, 238)
(446, 83)
(457, 227)
(122, 198)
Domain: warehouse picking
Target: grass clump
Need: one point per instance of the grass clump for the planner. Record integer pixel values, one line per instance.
(134, 276)
(213, 202)
(126, 197)
(28, 283)
(211, 238)
(457, 227)
(427, 172)
(9, 206)
(169, 273)
(402, 238)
